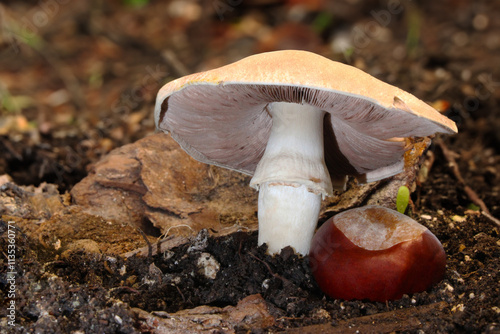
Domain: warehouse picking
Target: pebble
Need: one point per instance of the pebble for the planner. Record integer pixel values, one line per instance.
(208, 265)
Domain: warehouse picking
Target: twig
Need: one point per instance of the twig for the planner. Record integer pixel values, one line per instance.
(11, 149)
(473, 196)
(159, 247)
(182, 295)
(150, 248)
(268, 268)
(490, 217)
(165, 235)
(171, 58)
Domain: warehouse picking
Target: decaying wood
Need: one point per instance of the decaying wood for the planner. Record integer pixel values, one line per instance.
(154, 182)
(250, 313)
(408, 319)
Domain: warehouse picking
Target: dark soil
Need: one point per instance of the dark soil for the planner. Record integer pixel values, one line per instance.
(82, 286)
(106, 60)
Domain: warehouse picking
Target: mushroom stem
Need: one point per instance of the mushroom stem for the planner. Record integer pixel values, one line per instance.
(287, 217)
(292, 177)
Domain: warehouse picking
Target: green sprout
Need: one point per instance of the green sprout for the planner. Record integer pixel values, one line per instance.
(348, 53)
(402, 199)
(473, 207)
(414, 25)
(10, 104)
(322, 21)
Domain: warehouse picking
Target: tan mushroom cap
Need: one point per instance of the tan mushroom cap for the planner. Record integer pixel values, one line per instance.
(219, 116)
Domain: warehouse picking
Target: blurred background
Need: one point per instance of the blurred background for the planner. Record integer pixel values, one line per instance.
(79, 78)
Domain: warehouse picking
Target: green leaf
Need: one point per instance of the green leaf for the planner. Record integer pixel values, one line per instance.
(136, 3)
(402, 199)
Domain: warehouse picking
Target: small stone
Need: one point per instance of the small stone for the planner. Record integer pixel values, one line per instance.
(208, 265)
(118, 320)
(459, 219)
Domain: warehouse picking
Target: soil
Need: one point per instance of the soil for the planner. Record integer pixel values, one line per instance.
(79, 80)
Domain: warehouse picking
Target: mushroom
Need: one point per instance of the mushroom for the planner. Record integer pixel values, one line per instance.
(299, 123)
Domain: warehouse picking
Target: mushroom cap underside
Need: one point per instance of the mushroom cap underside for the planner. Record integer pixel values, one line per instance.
(220, 117)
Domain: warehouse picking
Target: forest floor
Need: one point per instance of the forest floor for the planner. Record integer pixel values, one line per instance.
(79, 80)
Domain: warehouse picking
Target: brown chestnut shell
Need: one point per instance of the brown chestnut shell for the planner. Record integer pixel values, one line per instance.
(347, 271)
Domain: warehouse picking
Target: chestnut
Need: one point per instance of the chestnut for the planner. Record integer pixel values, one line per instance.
(375, 253)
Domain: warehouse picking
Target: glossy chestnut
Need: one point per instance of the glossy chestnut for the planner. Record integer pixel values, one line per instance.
(375, 253)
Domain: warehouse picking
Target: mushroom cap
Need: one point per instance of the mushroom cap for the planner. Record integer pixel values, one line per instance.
(219, 116)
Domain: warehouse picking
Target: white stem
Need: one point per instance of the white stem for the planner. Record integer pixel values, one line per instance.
(292, 177)
(287, 217)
